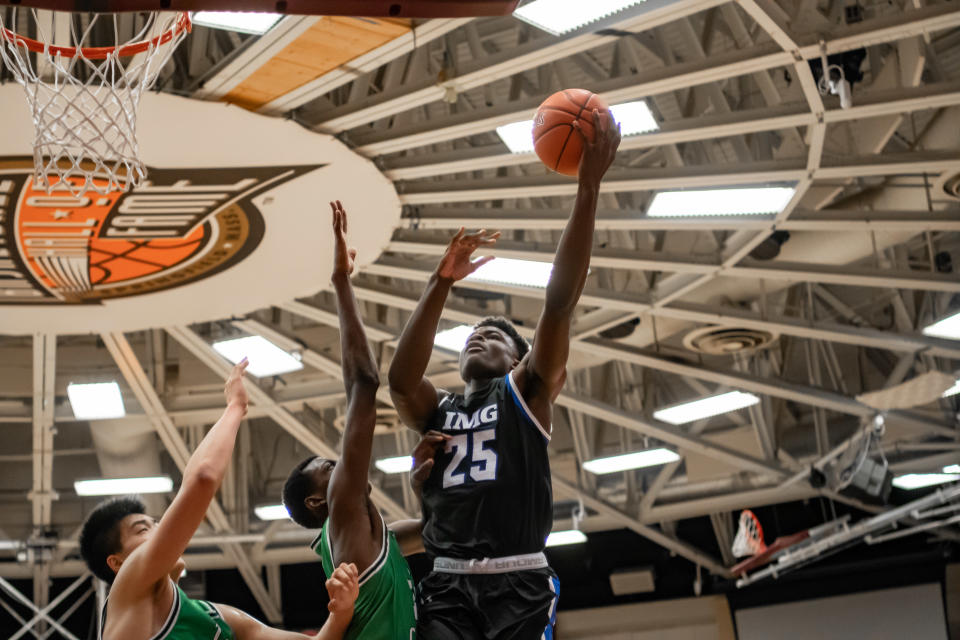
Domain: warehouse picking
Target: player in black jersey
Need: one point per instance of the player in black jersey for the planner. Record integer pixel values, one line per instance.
(488, 499)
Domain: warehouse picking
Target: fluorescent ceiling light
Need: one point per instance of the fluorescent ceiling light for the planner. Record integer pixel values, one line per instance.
(96, 401)
(518, 136)
(272, 512)
(526, 273)
(453, 339)
(750, 201)
(949, 327)
(954, 468)
(706, 407)
(636, 460)
(952, 391)
(394, 465)
(242, 21)
(634, 117)
(572, 536)
(266, 358)
(123, 486)
(560, 16)
(920, 480)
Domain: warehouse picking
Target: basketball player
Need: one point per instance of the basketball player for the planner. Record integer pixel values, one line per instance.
(142, 558)
(335, 496)
(488, 500)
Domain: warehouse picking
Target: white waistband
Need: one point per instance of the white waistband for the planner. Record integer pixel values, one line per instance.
(491, 565)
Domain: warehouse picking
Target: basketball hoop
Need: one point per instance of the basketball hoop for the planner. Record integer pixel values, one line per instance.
(749, 538)
(84, 99)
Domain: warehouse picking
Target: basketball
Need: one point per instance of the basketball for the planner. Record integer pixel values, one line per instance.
(557, 143)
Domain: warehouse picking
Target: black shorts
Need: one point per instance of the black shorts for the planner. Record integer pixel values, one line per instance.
(520, 605)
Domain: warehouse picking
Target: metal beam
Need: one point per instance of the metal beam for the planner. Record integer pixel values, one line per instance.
(328, 317)
(625, 220)
(679, 547)
(620, 181)
(287, 421)
(136, 378)
(44, 373)
(491, 68)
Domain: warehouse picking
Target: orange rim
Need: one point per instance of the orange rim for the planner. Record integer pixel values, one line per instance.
(101, 53)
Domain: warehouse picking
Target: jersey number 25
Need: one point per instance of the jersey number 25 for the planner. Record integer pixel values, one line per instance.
(483, 465)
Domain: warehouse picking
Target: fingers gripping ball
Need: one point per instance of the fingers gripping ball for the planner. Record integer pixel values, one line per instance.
(556, 141)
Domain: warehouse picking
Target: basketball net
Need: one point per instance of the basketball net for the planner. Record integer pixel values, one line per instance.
(749, 538)
(84, 99)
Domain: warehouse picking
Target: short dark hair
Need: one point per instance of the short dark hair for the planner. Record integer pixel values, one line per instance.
(100, 536)
(298, 486)
(507, 327)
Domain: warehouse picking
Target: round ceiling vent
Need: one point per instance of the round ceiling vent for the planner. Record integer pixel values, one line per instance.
(724, 341)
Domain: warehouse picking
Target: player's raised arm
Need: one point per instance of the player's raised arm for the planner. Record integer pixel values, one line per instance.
(413, 394)
(342, 587)
(155, 559)
(347, 492)
(541, 376)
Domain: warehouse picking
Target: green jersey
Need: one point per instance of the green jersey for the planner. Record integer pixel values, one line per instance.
(188, 620)
(385, 608)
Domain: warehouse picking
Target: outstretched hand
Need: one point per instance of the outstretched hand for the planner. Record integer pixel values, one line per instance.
(456, 263)
(598, 154)
(233, 390)
(343, 588)
(343, 257)
(423, 458)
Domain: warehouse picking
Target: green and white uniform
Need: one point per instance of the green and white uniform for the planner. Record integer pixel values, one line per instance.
(188, 620)
(385, 608)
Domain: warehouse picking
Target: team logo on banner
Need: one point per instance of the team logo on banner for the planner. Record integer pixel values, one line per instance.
(181, 226)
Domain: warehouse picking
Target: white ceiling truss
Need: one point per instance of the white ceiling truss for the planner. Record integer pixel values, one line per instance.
(737, 102)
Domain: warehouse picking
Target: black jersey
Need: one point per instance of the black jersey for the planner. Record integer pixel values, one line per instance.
(489, 494)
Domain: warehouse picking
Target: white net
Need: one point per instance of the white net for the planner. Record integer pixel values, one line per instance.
(84, 98)
(749, 538)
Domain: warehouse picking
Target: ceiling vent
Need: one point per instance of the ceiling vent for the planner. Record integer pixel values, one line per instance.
(725, 341)
(951, 186)
(388, 421)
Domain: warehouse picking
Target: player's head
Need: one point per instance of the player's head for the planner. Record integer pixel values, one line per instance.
(305, 492)
(493, 349)
(112, 531)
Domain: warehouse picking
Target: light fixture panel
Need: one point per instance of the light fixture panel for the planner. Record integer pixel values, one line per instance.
(123, 486)
(96, 401)
(266, 359)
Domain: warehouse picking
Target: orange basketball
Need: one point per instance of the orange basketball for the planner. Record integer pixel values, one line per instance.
(555, 140)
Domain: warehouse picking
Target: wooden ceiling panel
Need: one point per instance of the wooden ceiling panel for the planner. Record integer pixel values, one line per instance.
(325, 46)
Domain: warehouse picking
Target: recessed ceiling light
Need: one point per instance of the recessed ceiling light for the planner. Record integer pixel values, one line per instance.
(706, 407)
(97, 401)
(572, 536)
(272, 512)
(949, 328)
(720, 202)
(562, 16)
(921, 480)
(399, 464)
(123, 486)
(256, 23)
(453, 339)
(635, 460)
(266, 358)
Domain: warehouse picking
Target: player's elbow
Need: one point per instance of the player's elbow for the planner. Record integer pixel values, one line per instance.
(366, 380)
(206, 477)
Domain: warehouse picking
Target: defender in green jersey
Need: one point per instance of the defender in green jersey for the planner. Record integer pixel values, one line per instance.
(142, 558)
(335, 495)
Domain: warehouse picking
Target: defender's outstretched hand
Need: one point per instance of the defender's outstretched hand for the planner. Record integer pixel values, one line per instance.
(598, 154)
(423, 457)
(234, 391)
(343, 257)
(456, 264)
(343, 587)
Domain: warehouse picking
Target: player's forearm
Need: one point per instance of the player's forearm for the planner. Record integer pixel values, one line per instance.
(416, 342)
(359, 365)
(572, 260)
(335, 627)
(210, 461)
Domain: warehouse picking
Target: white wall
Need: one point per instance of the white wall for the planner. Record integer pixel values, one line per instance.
(892, 614)
(706, 618)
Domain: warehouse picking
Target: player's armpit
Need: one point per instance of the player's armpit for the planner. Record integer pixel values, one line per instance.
(408, 533)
